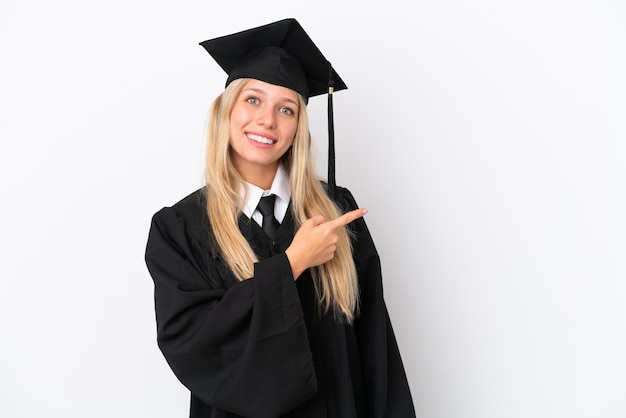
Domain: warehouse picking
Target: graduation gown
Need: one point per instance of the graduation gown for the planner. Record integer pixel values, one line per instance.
(260, 348)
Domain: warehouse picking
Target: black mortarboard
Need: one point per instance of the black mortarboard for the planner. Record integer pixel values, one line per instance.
(280, 53)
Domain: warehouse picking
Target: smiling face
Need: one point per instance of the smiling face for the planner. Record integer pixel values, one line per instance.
(263, 124)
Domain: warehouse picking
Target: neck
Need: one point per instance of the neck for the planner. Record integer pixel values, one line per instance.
(260, 176)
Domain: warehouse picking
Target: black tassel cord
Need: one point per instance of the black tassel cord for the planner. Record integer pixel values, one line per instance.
(331, 134)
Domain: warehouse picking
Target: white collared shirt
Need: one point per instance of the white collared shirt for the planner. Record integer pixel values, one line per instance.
(280, 187)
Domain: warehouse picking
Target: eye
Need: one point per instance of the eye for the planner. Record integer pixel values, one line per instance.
(252, 100)
(286, 111)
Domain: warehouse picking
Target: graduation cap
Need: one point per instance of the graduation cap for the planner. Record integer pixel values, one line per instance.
(281, 53)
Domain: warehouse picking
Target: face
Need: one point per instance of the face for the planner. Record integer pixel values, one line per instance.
(263, 125)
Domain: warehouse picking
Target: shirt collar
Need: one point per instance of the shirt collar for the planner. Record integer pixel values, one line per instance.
(280, 187)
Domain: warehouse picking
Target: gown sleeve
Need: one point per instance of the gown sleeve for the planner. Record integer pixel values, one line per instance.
(242, 348)
(386, 384)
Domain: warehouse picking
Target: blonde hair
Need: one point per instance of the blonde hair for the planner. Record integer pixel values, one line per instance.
(336, 280)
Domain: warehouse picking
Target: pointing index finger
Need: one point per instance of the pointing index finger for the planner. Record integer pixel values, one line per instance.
(347, 217)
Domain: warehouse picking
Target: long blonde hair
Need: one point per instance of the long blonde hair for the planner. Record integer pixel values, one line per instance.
(336, 280)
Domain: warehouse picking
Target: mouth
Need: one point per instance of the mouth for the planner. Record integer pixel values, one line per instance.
(260, 139)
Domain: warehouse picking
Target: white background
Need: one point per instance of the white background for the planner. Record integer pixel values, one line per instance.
(486, 138)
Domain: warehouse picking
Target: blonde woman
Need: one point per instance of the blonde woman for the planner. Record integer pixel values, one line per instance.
(268, 289)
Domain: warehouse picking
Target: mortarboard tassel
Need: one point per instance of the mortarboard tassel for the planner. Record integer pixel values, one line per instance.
(331, 134)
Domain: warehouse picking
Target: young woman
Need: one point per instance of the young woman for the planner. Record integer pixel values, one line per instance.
(278, 312)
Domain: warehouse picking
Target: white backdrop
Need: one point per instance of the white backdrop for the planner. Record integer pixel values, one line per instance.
(486, 138)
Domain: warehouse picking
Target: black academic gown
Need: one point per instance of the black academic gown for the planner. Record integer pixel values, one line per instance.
(259, 348)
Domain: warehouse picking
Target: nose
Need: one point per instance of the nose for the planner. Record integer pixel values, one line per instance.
(266, 117)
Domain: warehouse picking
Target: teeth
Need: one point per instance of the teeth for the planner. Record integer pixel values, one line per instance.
(260, 139)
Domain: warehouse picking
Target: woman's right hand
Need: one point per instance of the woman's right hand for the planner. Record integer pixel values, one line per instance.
(316, 241)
